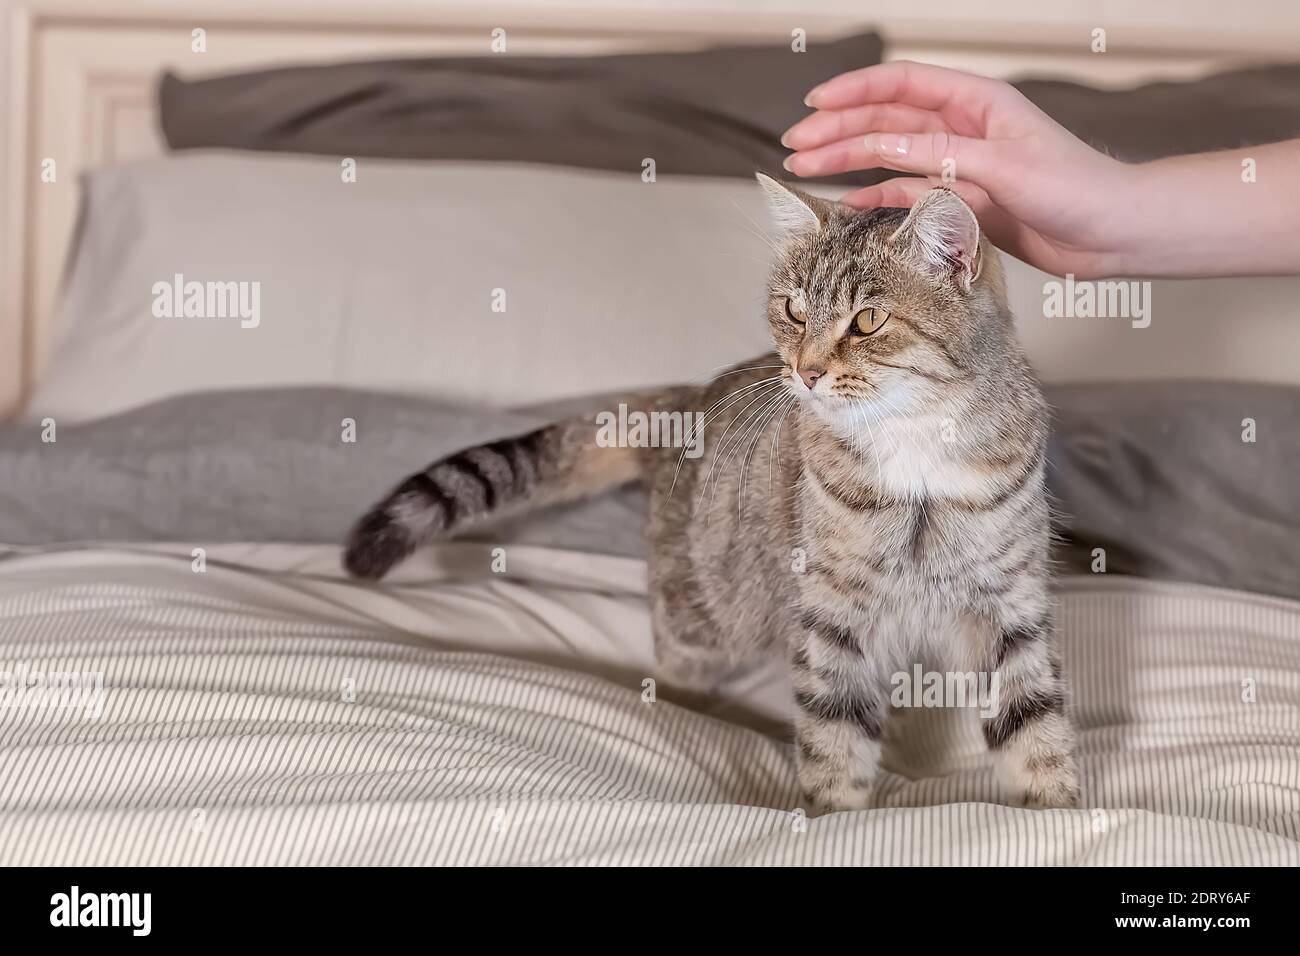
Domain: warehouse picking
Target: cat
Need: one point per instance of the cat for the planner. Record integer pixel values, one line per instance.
(871, 491)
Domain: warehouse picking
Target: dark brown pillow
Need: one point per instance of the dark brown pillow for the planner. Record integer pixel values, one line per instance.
(1224, 111)
(711, 112)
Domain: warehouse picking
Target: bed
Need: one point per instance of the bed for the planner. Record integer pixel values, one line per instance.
(270, 712)
(187, 677)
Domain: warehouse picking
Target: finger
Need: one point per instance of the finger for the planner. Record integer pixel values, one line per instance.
(899, 193)
(903, 191)
(902, 81)
(828, 126)
(1003, 230)
(931, 154)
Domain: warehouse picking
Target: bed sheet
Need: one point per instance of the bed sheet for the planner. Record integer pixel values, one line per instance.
(256, 707)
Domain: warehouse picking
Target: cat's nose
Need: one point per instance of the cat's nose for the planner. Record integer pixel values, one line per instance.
(810, 374)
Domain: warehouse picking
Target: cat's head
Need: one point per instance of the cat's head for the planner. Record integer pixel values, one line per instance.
(887, 306)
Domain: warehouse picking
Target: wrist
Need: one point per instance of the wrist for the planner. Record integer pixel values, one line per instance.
(1141, 223)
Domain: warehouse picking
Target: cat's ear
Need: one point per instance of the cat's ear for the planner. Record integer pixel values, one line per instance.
(794, 213)
(942, 236)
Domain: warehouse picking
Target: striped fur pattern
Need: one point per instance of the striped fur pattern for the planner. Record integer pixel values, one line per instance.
(546, 466)
(863, 503)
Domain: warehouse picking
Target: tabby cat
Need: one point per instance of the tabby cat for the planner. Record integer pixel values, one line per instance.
(871, 492)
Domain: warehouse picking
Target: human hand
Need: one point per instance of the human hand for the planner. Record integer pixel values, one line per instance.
(1040, 193)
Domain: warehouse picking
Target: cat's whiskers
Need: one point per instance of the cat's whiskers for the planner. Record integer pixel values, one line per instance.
(759, 231)
(762, 394)
(753, 425)
(717, 373)
(736, 392)
(896, 452)
(866, 409)
(729, 450)
(704, 419)
(776, 440)
(780, 404)
(764, 419)
(913, 446)
(880, 468)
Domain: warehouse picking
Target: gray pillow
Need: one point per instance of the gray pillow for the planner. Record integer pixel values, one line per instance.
(1160, 476)
(1156, 474)
(263, 465)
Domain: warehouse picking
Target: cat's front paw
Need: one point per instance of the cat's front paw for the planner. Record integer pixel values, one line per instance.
(847, 795)
(1055, 789)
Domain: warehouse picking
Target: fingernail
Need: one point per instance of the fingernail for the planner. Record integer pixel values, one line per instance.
(887, 143)
(787, 164)
(785, 139)
(810, 99)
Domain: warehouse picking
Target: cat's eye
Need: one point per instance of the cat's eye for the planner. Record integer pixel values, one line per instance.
(868, 321)
(790, 313)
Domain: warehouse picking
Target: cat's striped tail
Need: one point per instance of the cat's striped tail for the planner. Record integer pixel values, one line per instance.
(557, 463)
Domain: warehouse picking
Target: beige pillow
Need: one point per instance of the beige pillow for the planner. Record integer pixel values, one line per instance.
(607, 283)
(493, 284)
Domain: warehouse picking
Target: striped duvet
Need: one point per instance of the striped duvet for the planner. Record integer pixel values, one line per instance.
(249, 705)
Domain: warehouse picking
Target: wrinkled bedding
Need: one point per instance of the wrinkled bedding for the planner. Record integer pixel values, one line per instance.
(265, 710)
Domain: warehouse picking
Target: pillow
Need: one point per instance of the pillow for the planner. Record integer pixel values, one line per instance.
(719, 111)
(392, 283)
(1156, 475)
(266, 466)
(1187, 481)
(488, 285)
(1222, 111)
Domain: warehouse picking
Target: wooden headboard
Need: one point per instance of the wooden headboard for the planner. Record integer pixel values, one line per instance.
(81, 76)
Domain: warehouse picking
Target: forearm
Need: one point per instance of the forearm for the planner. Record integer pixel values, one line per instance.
(1213, 214)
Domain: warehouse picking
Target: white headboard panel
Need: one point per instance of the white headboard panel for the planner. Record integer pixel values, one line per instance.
(81, 78)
